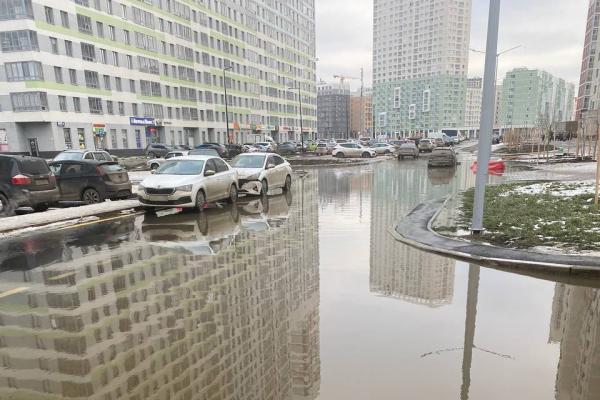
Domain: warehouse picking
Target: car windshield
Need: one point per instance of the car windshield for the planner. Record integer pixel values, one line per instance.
(181, 167)
(68, 155)
(33, 166)
(248, 162)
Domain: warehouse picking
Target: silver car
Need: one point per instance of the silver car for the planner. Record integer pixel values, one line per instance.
(408, 149)
(189, 182)
(260, 172)
(352, 150)
(155, 163)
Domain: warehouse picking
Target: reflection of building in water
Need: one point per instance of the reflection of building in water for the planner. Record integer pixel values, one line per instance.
(396, 269)
(575, 323)
(136, 321)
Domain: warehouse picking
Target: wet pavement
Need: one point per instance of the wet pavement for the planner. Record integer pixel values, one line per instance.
(298, 296)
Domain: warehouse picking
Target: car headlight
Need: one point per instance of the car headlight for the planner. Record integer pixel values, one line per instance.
(185, 188)
(141, 187)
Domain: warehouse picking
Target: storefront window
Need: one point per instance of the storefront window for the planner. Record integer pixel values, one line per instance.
(113, 139)
(125, 138)
(138, 138)
(68, 142)
(81, 137)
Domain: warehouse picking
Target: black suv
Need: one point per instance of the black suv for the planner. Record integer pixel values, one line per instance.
(26, 182)
(158, 150)
(222, 150)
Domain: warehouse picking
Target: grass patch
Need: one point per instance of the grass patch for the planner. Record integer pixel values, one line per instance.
(519, 215)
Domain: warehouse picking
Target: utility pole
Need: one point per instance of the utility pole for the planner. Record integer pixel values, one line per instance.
(226, 106)
(487, 117)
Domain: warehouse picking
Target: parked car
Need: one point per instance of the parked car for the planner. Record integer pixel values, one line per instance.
(157, 162)
(364, 141)
(234, 149)
(260, 172)
(204, 152)
(222, 150)
(442, 157)
(98, 155)
(267, 147)
(408, 149)
(26, 182)
(496, 138)
(322, 149)
(438, 142)
(353, 150)
(383, 148)
(287, 148)
(249, 148)
(91, 181)
(397, 143)
(426, 146)
(156, 150)
(189, 182)
(184, 147)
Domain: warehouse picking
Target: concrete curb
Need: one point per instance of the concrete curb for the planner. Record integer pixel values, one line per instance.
(416, 231)
(12, 225)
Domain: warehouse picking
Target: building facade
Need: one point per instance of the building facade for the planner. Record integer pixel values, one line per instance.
(531, 97)
(473, 103)
(497, 106)
(588, 97)
(420, 62)
(361, 114)
(120, 74)
(333, 110)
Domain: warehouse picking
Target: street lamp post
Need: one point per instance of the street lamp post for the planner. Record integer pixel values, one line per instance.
(300, 105)
(487, 116)
(226, 106)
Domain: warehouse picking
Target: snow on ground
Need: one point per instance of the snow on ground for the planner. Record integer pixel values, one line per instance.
(569, 189)
(138, 176)
(67, 216)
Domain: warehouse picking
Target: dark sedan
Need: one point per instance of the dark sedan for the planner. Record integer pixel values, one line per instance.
(90, 181)
(287, 148)
(222, 150)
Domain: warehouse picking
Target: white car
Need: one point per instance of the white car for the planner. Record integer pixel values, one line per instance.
(265, 147)
(384, 148)
(260, 172)
(189, 182)
(353, 150)
(155, 163)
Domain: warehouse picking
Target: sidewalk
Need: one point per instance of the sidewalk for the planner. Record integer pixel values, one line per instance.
(415, 230)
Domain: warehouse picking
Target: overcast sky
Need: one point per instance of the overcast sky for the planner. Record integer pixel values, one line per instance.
(550, 31)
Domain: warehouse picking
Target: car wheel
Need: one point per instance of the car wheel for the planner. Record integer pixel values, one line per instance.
(200, 201)
(233, 194)
(288, 184)
(91, 196)
(366, 155)
(387, 152)
(151, 155)
(154, 166)
(6, 208)
(41, 207)
(265, 187)
(339, 155)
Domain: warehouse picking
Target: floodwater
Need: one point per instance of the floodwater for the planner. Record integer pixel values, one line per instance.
(301, 296)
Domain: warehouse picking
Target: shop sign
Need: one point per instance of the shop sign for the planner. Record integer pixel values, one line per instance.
(284, 129)
(99, 130)
(60, 124)
(141, 121)
(270, 127)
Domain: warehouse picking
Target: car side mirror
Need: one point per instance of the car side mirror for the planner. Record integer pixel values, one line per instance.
(209, 172)
(270, 166)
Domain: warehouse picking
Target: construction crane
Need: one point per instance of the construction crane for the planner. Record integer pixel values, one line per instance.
(343, 79)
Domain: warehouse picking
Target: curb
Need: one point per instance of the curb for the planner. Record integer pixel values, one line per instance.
(415, 230)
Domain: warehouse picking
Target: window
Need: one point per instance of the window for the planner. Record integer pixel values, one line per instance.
(29, 101)
(77, 104)
(125, 138)
(81, 137)
(110, 109)
(100, 29)
(129, 62)
(88, 52)
(118, 84)
(124, 11)
(97, 5)
(132, 86)
(107, 82)
(58, 75)
(109, 6)
(134, 109)
(382, 120)
(91, 79)
(24, 71)
(64, 19)
(19, 41)
(69, 48)
(412, 111)
(103, 59)
(111, 33)
(73, 77)
(138, 138)
(67, 136)
(126, 37)
(397, 97)
(221, 166)
(121, 107)
(426, 100)
(62, 103)
(49, 12)
(54, 45)
(113, 138)
(115, 58)
(84, 24)
(95, 104)
(15, 9)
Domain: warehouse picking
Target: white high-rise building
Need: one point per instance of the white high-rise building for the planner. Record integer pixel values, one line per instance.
(420, 63)
(473, 103)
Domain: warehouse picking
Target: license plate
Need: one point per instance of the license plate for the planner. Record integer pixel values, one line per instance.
(159, 198)
(42, 182)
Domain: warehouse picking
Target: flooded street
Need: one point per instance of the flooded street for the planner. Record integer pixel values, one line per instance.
(299, 296)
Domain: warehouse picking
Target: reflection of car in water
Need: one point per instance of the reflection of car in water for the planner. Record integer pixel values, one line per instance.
(265, 213)
(200, 234)
(440, 176)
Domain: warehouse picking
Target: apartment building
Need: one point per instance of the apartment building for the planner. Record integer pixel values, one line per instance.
(531, 97)
(473, 103)
(361, 114)
(420, 62)
(588, 96)
(121, 74)
(333, 110)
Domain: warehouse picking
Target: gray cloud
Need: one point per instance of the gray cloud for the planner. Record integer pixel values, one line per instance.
(550, 31)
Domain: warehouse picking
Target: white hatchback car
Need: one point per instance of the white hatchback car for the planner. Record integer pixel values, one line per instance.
(260, 172)
(155, 163)
(353, 150)
(384, 148)
(189, 182)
